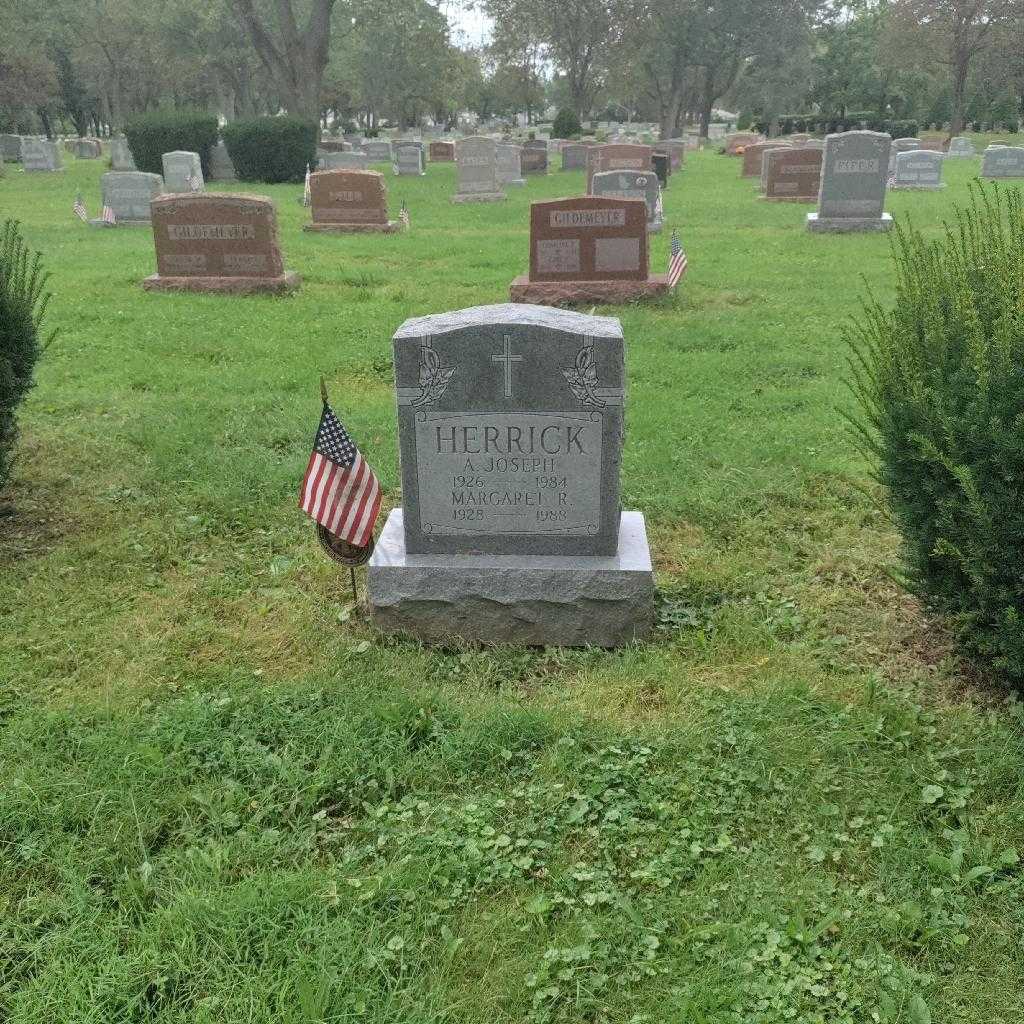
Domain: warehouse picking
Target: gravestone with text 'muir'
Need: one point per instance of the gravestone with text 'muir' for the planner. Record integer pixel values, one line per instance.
(590, 249)
(217, 243)
(349, 202)
(510, 422)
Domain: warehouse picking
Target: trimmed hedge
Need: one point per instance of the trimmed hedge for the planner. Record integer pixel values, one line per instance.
(271, 149)
(940, 380)
(566, 124)
(819, 124)
(165, 131)
(23, 303)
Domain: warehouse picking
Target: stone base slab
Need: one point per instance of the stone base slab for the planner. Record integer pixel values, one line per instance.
(515, 182)
(789, 199)
(537, 600)
(388, 228)
(97, 223)
(224, 285)
(568, 293)
(846, 225)
(479, 197)
(917, 188)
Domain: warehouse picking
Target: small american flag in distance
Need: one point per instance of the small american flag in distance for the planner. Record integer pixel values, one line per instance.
(108, 216)
(79, 208)
(307, 195)
(403, 215)
(677, 262)
(339, 490)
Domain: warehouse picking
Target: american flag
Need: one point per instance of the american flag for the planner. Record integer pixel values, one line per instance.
(79, 208)
(339, 490)
(403, 215)
(677, 262)
(307, 196)
(193, 182)
(108, 215)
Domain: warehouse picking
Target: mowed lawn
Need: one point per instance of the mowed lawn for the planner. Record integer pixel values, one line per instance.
(225, 798)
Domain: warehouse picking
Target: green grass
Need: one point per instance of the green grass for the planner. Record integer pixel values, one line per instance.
(224, 798)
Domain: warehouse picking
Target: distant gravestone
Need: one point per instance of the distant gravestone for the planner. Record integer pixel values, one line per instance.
(442, 152)
(183, 172)
(587, 249)
(121, 158)
(676, 149)
(221, 167)
(617, 156)
(476, 163)
(349, 202)
(934, 143)
(632, 185)
(574, 157)
(87, 149)
(792, 175)
(853, 184)
(217, 243)
(129, 193)
(752, 157)
(10, 148)
(961, 147)
(510, 425)
(330, 145)
(40, 155)
(737, 142)
(509, 167)
(799, 138)
(345, 161)
(901, 146)
(1003, 162)
(409, 160)
(378, 150)
(814, 144)
(919, 169)
(662, 165)
(533, 158)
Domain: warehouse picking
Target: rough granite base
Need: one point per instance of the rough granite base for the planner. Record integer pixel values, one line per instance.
(917, 188)
(389, 228)
(537, 600)
(569, 293)
(223, 285)
(789, 199)
(515, 182)
(95, 222)
(846, 225)
(479, 197)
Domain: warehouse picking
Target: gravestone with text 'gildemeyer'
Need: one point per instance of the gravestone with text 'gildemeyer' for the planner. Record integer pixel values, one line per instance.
(589, 249)
(217, 243)
(510, 426)
(854, 174)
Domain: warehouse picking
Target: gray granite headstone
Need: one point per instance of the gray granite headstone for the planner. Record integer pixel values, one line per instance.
(128, 194)
(40, 155)
(409, 158)
(86, 149)
(854, 174)
(1003, 162)
(121, 158)
(510, 423)
(221, 167)
(346, 161)
(907, 145)
(179, 166)
(476, 164)
(509, 169)
(574, 157)
(919, 169)
(379, 150)
(10, 148)
(961, 147)
(632, 185)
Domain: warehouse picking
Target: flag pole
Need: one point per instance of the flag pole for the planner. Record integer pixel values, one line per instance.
(323, 391)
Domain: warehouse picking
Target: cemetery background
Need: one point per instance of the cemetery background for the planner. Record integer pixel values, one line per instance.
(232, 797)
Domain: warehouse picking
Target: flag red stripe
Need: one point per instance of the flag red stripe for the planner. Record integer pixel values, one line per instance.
(354, 505)
(354, 525)
(342, 501)
(324, 488)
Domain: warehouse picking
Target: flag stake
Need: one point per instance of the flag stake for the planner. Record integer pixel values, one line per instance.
(323, 391)
(355, 595)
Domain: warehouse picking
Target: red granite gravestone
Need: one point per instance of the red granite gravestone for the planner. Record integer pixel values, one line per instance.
(618, 156)
(793, 175)
(217, 243)
(587, 250)
(442, 152)
(752, 155)
(349, 202)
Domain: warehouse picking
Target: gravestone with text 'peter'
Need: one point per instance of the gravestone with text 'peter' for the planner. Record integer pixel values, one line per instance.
(217, 243)
(40, 155)
(509, 165)
(441, 152)
(121, 158)
(1003, 162)
(960, 147)
(920, 170)
(633, 185)
(854, 173)
(588, 249)
(792, 175)
(409, 159)
(221, 167)
(349, 202)
(510, 423)
(476, 164)
(617, 156)
(753, 157)
(129, 194)
(183, 172)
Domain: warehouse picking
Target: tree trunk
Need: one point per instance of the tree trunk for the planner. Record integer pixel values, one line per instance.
(707, 101)
(956, 117)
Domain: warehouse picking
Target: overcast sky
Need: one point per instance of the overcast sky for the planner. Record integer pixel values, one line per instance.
(469, 26)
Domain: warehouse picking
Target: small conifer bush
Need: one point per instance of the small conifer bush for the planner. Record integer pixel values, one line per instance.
(23, 302)
(940, 383)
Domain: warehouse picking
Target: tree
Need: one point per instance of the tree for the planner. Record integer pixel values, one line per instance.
(294, 57)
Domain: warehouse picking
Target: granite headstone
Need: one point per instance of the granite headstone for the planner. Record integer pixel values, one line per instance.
(632, 185)
(476, 164)
(129, 194)
(1003, 162)
(919, 169)
(183, 172)
(40, 154)
(792, 175)
(349, 202)
(853, 184)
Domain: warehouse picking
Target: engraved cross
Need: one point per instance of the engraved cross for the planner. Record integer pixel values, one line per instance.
(508, 359)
